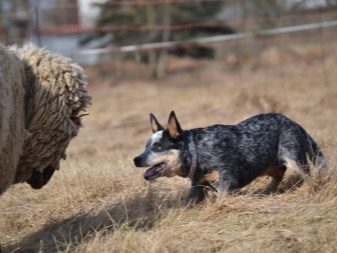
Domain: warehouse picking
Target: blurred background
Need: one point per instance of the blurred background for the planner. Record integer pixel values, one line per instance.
(212, 61)
(157, 37)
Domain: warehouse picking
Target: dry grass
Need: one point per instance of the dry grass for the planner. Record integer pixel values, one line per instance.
(98, 202)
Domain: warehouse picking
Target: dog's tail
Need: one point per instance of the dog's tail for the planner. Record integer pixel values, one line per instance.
(314, 152)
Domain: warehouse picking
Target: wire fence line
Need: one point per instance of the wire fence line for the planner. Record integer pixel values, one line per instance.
(78, 28)
(210, 40)
(75, 28)
(70, 28)
(32, 14)
(283, 26)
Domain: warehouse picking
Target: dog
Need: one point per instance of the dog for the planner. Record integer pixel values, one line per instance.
(228, 157)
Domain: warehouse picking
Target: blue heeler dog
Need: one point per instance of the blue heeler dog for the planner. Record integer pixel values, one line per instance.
(228, 157)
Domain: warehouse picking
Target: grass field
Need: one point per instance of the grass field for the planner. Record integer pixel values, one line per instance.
(99, 202)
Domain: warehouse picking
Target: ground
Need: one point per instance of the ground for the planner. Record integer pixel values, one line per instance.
(99, 202)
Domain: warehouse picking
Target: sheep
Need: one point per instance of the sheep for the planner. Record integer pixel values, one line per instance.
(42, 99)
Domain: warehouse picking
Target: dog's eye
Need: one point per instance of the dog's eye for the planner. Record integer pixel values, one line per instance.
(157, 147)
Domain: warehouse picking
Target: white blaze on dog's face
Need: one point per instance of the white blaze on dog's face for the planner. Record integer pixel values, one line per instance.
(161, 154)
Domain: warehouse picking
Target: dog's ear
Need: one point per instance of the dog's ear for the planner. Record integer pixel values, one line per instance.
(155, 125)
(173, 126)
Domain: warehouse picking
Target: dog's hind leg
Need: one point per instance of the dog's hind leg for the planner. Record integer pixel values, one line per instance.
(277, 174)
(292, 154)
(300, 165)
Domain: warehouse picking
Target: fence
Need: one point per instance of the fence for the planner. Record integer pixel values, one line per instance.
(59, 28)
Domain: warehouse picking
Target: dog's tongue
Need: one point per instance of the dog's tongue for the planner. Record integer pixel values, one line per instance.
(152, 172)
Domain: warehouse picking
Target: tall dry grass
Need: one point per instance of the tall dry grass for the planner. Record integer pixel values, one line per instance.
(98, 202)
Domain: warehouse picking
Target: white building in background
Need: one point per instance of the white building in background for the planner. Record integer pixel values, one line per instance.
(88, 12)
(53, 33)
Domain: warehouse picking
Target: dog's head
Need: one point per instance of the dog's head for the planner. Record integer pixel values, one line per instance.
(162, 150)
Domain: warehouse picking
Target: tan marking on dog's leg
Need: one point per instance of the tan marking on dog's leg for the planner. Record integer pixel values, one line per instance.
(207, 181)
(211, 177)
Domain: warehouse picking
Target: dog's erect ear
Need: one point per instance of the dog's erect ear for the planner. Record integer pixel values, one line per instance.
(155, 125)
(173, 126)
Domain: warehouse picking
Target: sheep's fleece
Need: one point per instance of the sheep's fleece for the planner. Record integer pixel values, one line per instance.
(42, 99)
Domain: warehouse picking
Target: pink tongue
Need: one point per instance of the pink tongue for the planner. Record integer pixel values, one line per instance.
(152, 171)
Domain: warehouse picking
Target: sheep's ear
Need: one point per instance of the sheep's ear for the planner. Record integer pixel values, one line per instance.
(155, 125)
(173, 126)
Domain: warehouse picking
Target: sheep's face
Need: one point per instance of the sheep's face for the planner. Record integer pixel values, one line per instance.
(38, 179)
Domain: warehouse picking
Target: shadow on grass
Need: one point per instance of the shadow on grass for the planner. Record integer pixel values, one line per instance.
(141, 211)
(289, 184)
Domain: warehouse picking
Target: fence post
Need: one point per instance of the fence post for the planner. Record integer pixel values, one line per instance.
(161, 59)
(37, 23)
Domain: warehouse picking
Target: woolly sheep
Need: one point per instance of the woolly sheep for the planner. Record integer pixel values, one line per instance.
(42, 99)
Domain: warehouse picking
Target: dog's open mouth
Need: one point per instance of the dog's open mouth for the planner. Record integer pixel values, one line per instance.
(155, 171)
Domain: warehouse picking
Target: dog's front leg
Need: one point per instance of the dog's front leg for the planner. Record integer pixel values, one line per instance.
(196, 194)
(227, 183)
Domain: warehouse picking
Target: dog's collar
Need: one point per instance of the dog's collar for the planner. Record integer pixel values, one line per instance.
(194, 158)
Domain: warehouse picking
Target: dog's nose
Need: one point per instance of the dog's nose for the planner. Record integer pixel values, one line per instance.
(137, 161)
